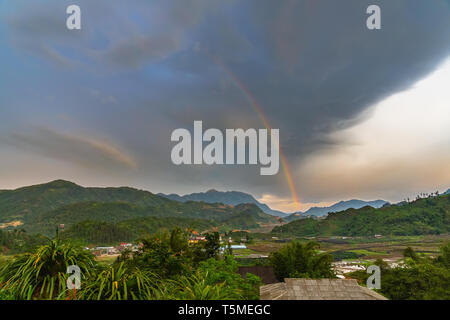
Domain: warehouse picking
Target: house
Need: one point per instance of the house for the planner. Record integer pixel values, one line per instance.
(196, 239)
(99, 251)
(317, 289)
(256, 256)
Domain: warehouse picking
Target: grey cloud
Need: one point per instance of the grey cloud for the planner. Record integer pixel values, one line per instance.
(84, 151)
(138, 50)
(318, 68)
(312, 66)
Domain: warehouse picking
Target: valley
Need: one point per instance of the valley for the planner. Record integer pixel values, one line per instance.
(108, 216)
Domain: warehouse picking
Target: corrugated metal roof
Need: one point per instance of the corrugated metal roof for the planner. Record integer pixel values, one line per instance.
(318, 289)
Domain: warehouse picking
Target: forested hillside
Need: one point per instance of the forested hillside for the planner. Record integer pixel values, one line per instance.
(25, 203)
(101, 232)
(424, 216)
(39, 209)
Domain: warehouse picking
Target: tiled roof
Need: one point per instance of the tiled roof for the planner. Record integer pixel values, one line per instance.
(318, 289)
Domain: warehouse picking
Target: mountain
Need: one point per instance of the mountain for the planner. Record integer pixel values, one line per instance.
(423, 216)
(447, 192)
(41, 208)
(26, 202)
(226, 197)
(339, 206)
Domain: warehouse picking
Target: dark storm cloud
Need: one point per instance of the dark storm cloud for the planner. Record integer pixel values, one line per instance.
(312, 65)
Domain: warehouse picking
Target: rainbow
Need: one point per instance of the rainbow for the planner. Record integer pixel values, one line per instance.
(252, 100)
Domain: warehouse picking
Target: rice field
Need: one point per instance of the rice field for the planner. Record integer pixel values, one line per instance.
(390, 248)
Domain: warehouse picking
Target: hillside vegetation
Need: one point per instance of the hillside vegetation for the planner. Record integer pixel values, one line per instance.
(101, 232)
(424, 216)
(25, 203)
(43, 207)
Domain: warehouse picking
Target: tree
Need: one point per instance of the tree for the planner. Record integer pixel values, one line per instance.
(178, 240)
(298, 260)
(158, 256)
(212, 245)
(444, 258)
(410, 253)
(419, 278)
(225, 271)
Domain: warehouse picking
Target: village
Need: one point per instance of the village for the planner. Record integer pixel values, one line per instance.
(194, 238)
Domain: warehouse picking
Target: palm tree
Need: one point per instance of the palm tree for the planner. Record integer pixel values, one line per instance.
(122, 283)
(42, 275)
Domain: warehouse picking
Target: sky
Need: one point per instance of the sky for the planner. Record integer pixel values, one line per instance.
(362, 113)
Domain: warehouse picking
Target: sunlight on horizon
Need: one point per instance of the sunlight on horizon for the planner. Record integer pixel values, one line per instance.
(403, 143)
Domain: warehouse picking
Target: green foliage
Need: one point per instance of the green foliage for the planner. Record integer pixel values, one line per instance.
(199, 287)
(162, 269)
(6, 295)
(419, 278)
(99, 233)
(212, 245)
(42, 275)
(19, 241)
(410, 253)
(444, 258)
(423, 281)
(341, 255)
(178, 240)
(158, 256)
(168, 255)
(120, 283)
(423, 216)
(224, 270)
(301, 260)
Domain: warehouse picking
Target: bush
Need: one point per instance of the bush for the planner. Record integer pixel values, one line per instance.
(225, 271)
(419, 278)
(297, 260)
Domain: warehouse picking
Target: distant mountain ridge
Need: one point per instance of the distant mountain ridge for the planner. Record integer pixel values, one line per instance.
(343, 205)
(339, 206)
(226, 197)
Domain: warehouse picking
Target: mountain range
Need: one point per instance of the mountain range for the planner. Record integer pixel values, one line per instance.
(339, 206)
(236, 197)
(133, 212)
(40, 208)
(226, 197)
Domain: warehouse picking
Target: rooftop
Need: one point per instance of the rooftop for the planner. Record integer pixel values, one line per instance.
(318, 289)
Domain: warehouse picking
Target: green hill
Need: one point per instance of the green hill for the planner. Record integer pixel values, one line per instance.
(24, 203)
(423, 216)
(41, 208)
